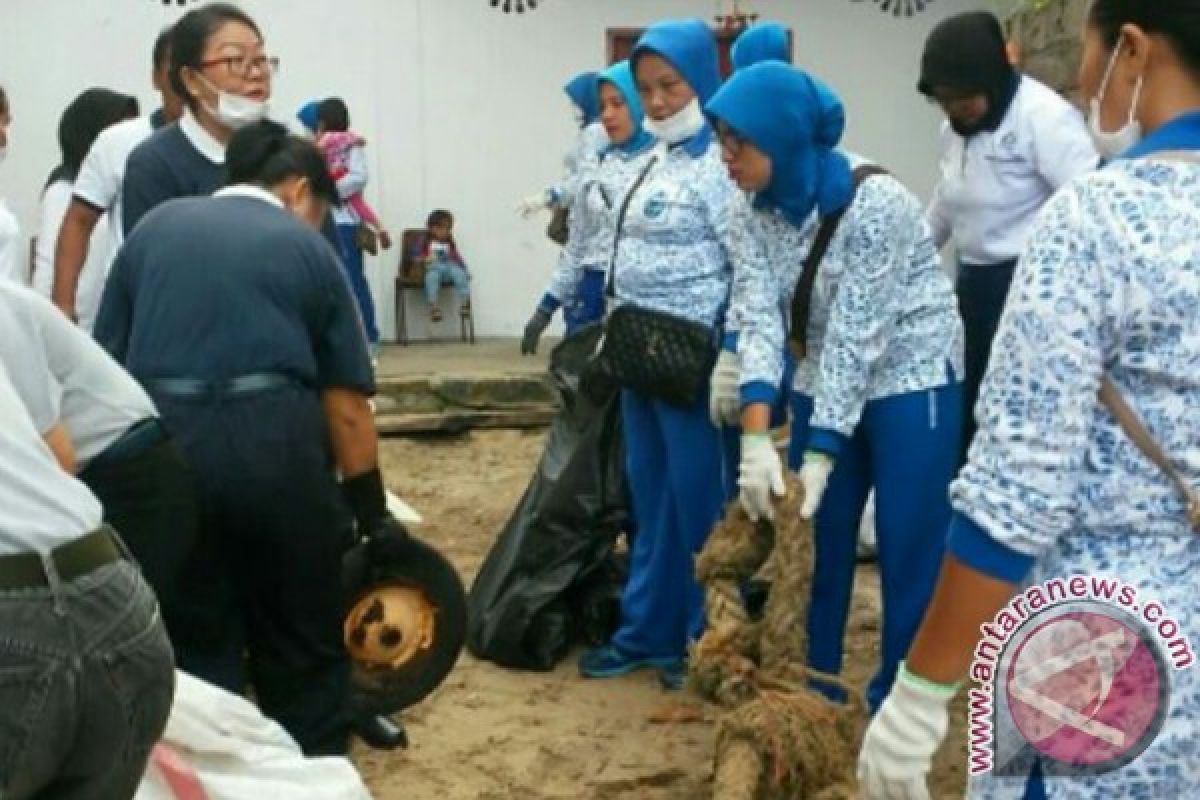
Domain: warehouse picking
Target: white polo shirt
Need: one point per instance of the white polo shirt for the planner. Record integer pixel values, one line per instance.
(41, 506)
(13, 265)
(102, 172)
(55, 202)
(994, 183)
(61, 374)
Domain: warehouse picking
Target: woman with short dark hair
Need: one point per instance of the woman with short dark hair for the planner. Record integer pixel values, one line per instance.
(220, 67)
(92, 112)
(233, 312)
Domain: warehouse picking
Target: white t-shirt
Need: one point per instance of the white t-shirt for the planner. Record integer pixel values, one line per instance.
(55, 201)
(13, 265)
(103, 172)
(61, 374)
(41, 506)
(994, 183)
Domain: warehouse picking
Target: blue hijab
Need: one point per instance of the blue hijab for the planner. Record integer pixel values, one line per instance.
(584, 94)
(797, 121)
(620, 75)
(690, 47)
(308, 115)
(766, 41)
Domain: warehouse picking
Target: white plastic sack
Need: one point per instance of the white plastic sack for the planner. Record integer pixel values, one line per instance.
(218, 746)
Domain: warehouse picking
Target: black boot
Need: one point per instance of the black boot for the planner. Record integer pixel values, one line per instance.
(381, 732)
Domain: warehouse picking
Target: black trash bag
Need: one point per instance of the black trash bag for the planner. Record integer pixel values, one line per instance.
(595, 601)
(551, 576)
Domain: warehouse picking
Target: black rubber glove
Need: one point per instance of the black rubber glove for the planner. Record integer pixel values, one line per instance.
(387, 538)
(533, 331)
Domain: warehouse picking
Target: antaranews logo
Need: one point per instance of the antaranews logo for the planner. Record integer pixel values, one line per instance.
(1074, 672)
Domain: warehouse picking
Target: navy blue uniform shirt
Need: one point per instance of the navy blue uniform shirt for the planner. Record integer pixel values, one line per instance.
(165, 166)
(217, 287)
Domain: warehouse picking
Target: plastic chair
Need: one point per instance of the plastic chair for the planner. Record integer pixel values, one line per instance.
(410, 276)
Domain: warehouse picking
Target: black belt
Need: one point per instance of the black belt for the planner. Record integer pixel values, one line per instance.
(1008, 263)
(199, 387)
(135, 441)
(72, 560)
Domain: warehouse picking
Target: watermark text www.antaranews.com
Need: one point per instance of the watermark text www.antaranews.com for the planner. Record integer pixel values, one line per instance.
(1076, 669)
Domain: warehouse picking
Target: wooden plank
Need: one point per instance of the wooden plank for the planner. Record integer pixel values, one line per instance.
(458, 420)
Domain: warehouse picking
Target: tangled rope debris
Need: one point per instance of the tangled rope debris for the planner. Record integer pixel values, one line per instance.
(777, 738)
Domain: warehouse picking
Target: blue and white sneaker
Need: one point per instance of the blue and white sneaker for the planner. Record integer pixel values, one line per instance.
(608, 661)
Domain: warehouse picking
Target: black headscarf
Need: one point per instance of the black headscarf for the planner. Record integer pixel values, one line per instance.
(82, 121)
(968, 53)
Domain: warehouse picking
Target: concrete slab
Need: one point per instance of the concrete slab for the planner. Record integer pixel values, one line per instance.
(449, 387)
(486, 358)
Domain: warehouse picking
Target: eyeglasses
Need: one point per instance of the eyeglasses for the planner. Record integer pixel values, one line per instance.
(243, 66)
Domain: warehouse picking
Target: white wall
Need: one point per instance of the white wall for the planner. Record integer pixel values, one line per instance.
(460, 103)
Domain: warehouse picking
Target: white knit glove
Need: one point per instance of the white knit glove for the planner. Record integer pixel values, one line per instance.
(534, 203)
(723, 400)
(760, 475)
(898, 748)
(814, 477)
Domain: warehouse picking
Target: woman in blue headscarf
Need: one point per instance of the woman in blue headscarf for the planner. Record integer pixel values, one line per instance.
(876, 399)
(583, 93)
(578, 282)
(764, 41)
(676, 247)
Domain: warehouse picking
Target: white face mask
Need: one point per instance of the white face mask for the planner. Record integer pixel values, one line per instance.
(685, 124)
(1110, 144)
(234, 111)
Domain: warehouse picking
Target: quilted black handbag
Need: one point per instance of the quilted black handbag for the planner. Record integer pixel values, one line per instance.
(652, 352)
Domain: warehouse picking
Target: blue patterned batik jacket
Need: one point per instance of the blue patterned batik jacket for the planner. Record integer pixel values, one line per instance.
(883, 320)
(684, 233)
(1109, 284)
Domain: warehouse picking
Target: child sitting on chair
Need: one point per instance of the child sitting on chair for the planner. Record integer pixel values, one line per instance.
(443, 265)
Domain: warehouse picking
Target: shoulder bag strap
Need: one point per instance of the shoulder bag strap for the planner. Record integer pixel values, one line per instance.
(802, 299)
(610, 289)
(1112, 399)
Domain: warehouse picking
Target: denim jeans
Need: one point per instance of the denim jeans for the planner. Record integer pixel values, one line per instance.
(86, 684)
(446, 273)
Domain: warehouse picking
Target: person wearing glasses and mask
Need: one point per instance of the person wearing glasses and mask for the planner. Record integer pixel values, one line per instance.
(876, 399)
(220, 69)
(1058, 484)
(1008, 144)
(235, 315)
(677, 246)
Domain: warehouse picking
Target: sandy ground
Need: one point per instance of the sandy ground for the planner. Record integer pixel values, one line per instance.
(494, 734)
